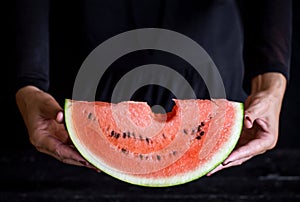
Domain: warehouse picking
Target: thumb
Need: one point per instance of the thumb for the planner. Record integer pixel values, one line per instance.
(253, 111)
(248, 122)
(60, 117)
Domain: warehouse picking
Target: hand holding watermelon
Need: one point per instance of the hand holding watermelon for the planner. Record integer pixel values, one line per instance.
(261, 124)
(44, 121)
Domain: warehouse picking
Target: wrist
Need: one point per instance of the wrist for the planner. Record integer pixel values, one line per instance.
(273, 83)
(24, 96)
(26, 90)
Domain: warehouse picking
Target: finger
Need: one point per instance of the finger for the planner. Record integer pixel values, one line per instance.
(253, 112)
(69, 155)
(248, 122)
(60, 117)
(62, 152)
(218, 168)
(254, 147)
(263, 125)
(251, 108)
(231, 164)
(63, 135)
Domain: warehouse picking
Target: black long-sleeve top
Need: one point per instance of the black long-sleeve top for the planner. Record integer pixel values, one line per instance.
(243, 38)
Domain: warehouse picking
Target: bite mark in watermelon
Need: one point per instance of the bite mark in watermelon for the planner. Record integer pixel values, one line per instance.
(131, 143)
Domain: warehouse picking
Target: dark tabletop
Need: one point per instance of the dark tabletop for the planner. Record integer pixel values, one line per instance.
(28, 175)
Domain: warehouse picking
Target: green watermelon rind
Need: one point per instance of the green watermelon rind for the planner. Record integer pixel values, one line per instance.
(223, 152)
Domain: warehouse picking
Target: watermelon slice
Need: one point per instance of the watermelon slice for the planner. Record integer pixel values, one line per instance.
(131, 143)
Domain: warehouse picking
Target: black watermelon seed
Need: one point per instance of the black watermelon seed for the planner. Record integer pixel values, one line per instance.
(174, 153)
(198, 137)
(164, 136)
(202, 133)
(158, 157)
(124, 135)
(112, 133)
(199, 128)
(185, 131)
(90, 116)
(193, 132)
(117, 135)
(124, 150)
(147, 140)
(141, 156)
(141, 137)
(202, 124)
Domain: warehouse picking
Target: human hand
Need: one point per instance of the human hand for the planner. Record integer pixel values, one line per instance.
(43, 118)
(261, 122)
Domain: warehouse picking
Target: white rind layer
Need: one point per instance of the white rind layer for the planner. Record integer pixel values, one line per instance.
(205, 168)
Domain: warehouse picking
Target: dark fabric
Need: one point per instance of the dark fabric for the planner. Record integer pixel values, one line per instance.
(61, 34)
(268, 34)
(32, 44)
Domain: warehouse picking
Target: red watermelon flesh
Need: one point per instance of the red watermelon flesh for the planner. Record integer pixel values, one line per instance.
(131, 143)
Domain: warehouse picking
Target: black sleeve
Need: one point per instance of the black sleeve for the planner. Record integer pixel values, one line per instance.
(267, 37)
(32, 45)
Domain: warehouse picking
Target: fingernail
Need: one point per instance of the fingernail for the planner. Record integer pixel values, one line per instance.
(95, 169)
(210, 173)
(248, 122)
(60, 117)
(84, 163)
(248, 118)
(226, 163)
